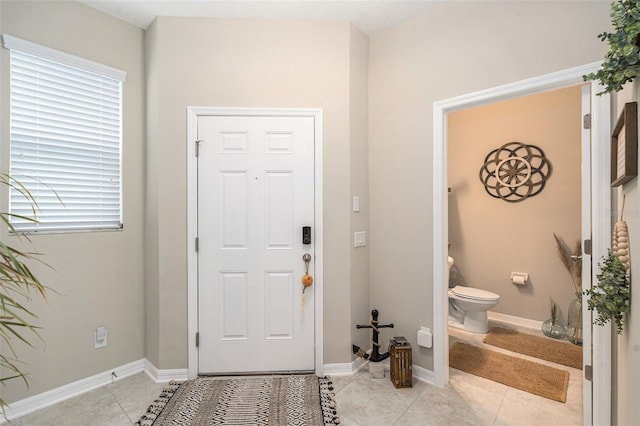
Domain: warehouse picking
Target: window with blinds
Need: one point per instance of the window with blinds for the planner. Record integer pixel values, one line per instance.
(66, 134)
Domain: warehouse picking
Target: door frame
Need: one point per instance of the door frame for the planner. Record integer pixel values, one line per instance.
(600, 217)
(193, 113)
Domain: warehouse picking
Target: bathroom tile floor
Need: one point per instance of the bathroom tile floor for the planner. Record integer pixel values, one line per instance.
(362, 401)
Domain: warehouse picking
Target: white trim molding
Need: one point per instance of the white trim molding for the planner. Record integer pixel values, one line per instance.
(54, 396)
(513, 320)
(423, 374)
(345, 368)
(340, 369)
(601, 337)
(600, 216)
(79, 387)
(193, 112)
(164, 376)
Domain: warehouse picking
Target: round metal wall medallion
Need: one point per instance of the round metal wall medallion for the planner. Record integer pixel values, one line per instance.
(515, 171)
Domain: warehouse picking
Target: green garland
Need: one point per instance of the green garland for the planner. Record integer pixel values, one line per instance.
(610, 297)
(622, 62)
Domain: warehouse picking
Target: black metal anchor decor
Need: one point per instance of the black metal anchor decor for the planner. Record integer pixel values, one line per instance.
(375, 356)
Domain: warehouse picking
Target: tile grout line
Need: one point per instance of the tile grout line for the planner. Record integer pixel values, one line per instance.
(115, 398)
(409, 406)
(354, 378)
(504, 397)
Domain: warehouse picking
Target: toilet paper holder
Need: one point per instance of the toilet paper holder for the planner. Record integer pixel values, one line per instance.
(519, 278)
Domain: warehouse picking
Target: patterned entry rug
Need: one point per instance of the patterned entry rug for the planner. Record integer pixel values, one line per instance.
(305, 400)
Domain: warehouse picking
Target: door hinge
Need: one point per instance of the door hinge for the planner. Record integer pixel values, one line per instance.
(197, 339)
(197, 243)
(587, 247)
(588, 373)
(198, 147)
(586, 121)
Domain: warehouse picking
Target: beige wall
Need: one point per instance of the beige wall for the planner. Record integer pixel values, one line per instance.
(359, 170)
(98, 275)
(249, 63)
(152, 213)
(490, 237)
(627, 346)
(454, 49)
(457, 48)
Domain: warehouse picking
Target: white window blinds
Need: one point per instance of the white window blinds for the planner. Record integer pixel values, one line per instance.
(66, 126)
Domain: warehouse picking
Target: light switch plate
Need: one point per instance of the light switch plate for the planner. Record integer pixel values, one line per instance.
(356, 204)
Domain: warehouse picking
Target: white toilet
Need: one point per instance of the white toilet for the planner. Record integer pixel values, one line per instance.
(468, 307)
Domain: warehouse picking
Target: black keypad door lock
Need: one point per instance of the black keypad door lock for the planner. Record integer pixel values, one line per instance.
(306, 235)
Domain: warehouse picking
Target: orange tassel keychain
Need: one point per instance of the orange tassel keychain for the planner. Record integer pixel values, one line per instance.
(307, 280)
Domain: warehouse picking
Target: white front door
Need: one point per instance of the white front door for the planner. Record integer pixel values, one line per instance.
(255, 194)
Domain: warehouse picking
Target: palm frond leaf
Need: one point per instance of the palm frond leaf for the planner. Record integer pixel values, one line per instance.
(18, 284)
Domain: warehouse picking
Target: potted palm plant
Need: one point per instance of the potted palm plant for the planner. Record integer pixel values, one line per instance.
(18, 285)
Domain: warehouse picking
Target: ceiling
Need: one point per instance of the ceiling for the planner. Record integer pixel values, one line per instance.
(370, 16)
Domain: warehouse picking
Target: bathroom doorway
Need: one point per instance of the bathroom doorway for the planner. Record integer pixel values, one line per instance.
(599, 219)
(491, 237)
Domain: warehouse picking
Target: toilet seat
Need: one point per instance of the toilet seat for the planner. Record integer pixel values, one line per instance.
(474, 293)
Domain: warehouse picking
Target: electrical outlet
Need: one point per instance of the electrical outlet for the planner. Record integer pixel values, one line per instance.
(100, 338)
(360, 239)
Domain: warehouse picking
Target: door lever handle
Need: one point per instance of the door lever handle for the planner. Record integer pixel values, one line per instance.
(576, 257)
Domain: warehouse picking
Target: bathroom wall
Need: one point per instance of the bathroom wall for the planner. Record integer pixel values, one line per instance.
(490, 237)
(626, 375)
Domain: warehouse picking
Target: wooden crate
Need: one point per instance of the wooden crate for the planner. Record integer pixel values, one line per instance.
(401, 363)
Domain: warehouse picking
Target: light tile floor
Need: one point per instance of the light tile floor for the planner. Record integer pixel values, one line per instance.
(118, 404)
(362, 401)
(468, 400)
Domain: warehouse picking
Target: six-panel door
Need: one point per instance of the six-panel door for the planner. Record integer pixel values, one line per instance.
(255, 193)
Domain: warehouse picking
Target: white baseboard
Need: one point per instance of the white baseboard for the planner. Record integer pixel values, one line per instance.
(46, 399)
(162, 376)
(54, 396)
(518, 321)
(358, 364)
(423, 374)
(344, 369)
(347, 369)
(419, 373)
(29, 405)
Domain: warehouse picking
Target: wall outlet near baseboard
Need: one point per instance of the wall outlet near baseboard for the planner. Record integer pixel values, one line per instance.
(100, 338)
